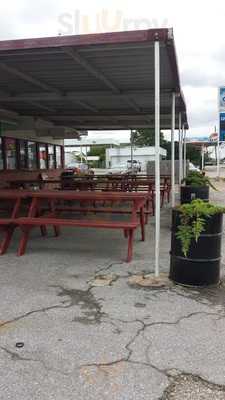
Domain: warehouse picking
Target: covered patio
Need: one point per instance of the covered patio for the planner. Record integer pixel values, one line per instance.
(76, 321)
(123, 80)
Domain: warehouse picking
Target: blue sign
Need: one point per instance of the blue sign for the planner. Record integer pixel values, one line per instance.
(222, 127)
(222, 99)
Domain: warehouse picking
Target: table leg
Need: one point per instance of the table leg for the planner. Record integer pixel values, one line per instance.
(16, 209)
(153, 203)
(10, 229)
(130, 245)
(142, 222)
(162, 198)
(147, 211)
(7, 239)
(53, 211)
(33, 211)
(136, 208)
(23, 240)
(42, 227)
(125, 233)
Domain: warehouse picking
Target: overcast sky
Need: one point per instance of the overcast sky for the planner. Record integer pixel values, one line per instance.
(198, 29)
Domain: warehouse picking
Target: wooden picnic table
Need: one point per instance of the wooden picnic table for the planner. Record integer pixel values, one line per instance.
(53, 217)
(10, 200)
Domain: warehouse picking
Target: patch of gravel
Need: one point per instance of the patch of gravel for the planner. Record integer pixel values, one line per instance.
(187, 387)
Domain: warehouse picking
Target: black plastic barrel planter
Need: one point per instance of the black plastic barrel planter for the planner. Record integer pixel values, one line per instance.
(189, 193)
(201, 267)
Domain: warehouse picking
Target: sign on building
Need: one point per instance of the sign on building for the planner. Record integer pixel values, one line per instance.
(222, 113)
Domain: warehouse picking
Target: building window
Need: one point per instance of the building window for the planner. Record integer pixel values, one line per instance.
(1, 155)
(32, 155)
(10, 153)
(23, 154)
(58, 157)
(51, 156)
(42, 156)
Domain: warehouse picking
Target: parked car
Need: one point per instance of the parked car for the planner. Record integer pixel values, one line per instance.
(192, 167)
(77, 166)
(135, 166)
(117, 169)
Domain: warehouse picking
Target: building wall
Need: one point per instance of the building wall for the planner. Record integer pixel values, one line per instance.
(120, 155)
(165, 168)
(20, 153)
(30, 135)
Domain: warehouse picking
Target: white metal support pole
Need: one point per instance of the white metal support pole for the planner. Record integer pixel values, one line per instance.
(218, 138)
(81, 153)
(203, 157)
(157, 156)
(86, 154)
(218, 155)
(180, 151)
(131, 149)
(185, 155)
(173, 150)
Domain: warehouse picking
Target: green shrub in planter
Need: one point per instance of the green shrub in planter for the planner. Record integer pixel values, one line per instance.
(196, 187)
(195, 179)
(196, 243)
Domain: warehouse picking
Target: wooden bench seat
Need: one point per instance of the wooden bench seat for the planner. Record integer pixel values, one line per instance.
(6, 221)
(106, 210)
(26, 224)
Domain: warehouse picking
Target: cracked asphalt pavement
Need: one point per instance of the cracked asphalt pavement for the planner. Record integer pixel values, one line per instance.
(117, 341)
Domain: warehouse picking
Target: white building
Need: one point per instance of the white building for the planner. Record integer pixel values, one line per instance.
(121, 155)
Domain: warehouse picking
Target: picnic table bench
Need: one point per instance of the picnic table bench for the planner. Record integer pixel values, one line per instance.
(54, 218)
(8, 224)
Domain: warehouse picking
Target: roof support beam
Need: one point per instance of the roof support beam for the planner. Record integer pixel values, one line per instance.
(97, 74)
(127, 127)
(87, 106)
(114, 114)
(28, 78)
(90, 68)
(76, 95)
(42, 107)
(132, 104)
(8, 113)
(101, 117)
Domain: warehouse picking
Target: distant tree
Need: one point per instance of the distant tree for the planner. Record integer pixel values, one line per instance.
(98, 151)
(146, 137)
(194, 155)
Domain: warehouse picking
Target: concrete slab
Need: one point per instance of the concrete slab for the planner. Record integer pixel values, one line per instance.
(88, 333)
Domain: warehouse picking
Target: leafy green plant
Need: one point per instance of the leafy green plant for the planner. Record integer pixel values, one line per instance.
(195, 178)
(193, 217)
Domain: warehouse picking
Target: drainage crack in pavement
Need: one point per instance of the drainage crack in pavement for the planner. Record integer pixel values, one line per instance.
(106, 268)
(64, 292)
(127, 359)
(138, 333)
(123, 359)
(17, 357)
(148, 363)
(29, 313)
(183, 317)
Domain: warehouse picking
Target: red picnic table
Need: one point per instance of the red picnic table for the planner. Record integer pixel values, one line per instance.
(10, 203)
(38, 215)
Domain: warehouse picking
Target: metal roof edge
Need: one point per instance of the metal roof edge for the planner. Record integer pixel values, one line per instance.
(162, 34)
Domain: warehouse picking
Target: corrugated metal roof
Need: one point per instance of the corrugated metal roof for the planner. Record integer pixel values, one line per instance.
(98, 81)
